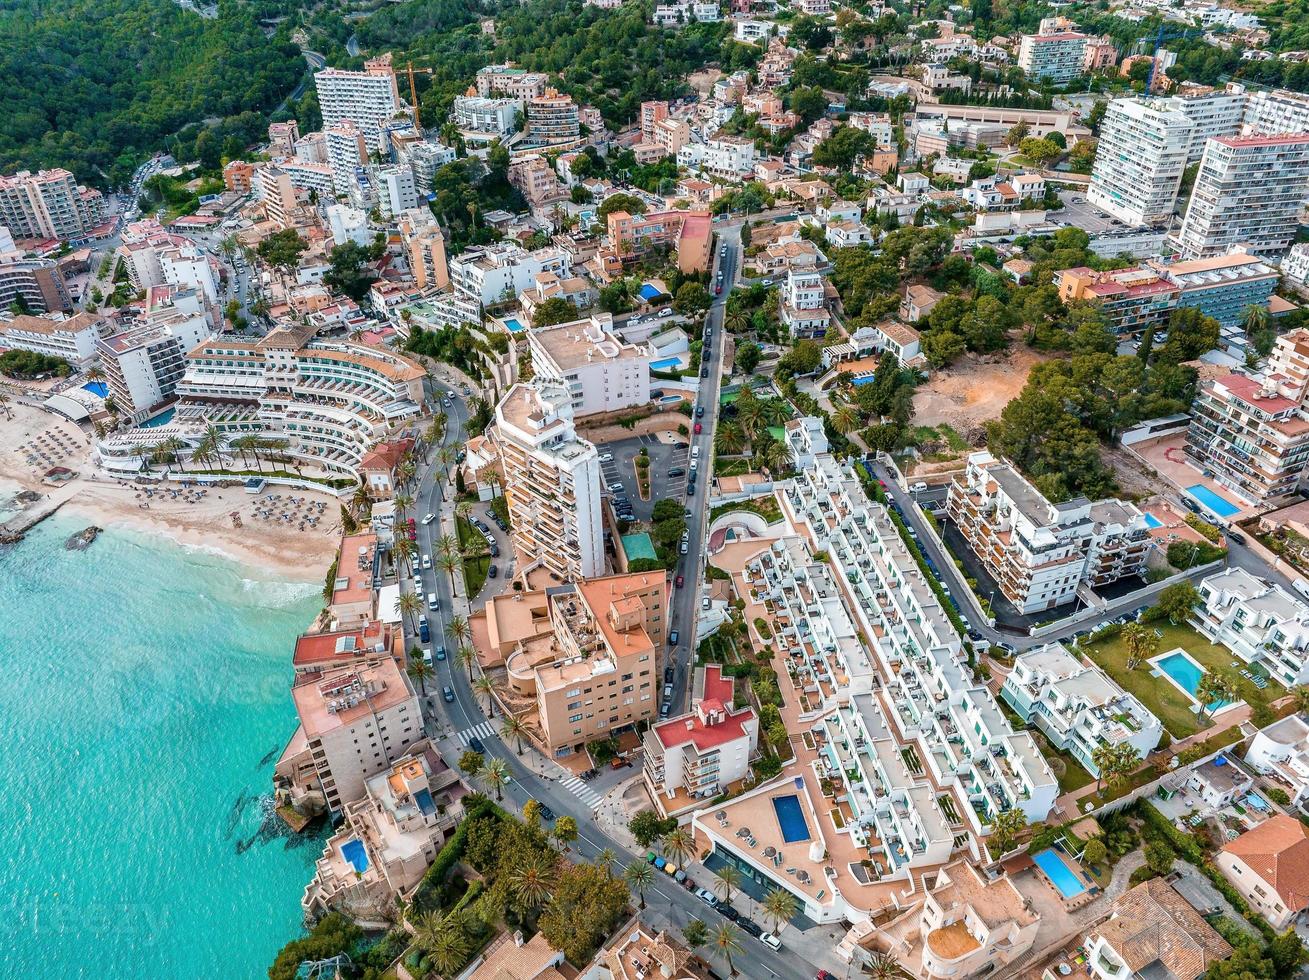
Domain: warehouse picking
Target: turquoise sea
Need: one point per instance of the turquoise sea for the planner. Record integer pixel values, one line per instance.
(144, 701)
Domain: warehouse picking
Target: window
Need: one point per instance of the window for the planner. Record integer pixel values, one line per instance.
(574, 718)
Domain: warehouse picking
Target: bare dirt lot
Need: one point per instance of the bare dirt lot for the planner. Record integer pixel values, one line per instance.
(975, 389)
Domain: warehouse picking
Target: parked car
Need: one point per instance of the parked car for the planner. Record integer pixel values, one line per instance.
(427, 563)
(704, 372)
(424, 631)
(433, 602)
(727, 912)
(448, 693)
(706, 896)
(699, 411)
(668, 675)
(545, 811)
(768, 939)
(698, 428)
(918, 487)
(476, 745)
(677, 582)
(606, 457)
(747, 925)
(492, 572)
(616, 487)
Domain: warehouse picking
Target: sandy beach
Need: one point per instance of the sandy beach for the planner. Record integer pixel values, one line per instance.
(290, 548)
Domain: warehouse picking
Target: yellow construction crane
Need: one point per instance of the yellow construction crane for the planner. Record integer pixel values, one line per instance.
(413, 91)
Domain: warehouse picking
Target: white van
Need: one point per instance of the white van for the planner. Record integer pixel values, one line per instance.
(1301, 586)
(695, 452)
(918, 487)
(432, 601)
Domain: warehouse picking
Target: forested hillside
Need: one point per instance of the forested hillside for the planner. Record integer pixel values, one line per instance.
(94, 85)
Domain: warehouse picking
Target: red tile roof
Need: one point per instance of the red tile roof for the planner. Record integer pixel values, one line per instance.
(1278, 852)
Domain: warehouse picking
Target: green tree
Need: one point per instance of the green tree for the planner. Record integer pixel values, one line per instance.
(1095, 854)
(620, 202)
(696, 933)
(646, 827)
(1006, 827)
(638, 875)
(281, 251)
(471, 762)
(1177, 601)
(554, 311)
(691, 297)
(1159, 857)
(531, 882)
(729, 879)
(565, 831)
(780, 906)
(495, 775)
(348, 272)
(419, 669)
(726, 940)
(1141, 644)
(747, 356)
(586, 906)
(1115, 762)
(1216, 687)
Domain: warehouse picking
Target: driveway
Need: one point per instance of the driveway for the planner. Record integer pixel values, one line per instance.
(664, 457)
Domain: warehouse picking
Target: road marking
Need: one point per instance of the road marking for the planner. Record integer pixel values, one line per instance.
(583, 792)
(484, 730)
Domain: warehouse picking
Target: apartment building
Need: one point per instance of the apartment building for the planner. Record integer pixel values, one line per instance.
(536, 179)
(1269, 866)
(144, 364)
(1058, 57)
(1138, 166)
(1037, 552)
(552, 482)
(1133, 300)
(1250, 435)
(1289, 362)
(425, 158)
(670, 135)
(37, 282)
(48, 204)
(355, 722)
(652, 113)
(600, 372)
(491, 274)
(970, 923)
(1078, 706)
(311, 148)
(1213, 113)
(510, 82)
(720, 156)
(482, 121)
(396, 190)
(367, 98)
(1153, 932)
(804, 305)
(689, 232)
(389, 837)
(552, 120)
(1277, 111)
(1249, 191)
(348, 224)
(425, 247)
(697, 755)
(347, 154)
(1262, 623)
(282, 137)
(238, 176)
(313, 178)
(583, 658)
(1221, 286)
(1281, 752)
(72, 339)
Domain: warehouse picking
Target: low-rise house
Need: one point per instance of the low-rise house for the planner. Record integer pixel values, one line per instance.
(919, 300)
(970, 923)
(1154, 932)
(845, 233)
(1078, 706)
(511, 958)
(1281, 751)
(1220, 782)
(1269, 866)
(378, 467)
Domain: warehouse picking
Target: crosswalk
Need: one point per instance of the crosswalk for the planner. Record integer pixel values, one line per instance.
(484, 730)
(579, 789)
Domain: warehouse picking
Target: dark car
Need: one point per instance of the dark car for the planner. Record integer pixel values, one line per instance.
(673, 636)
(679, 581)
(974, 635)
(668, 675)
(746, 925)
(492, 572)
(699, 411)
(690, 489)
(448, 693)
(476, 745)
(676, 471)
(704, 372)
(440, 653)
(727, 912)
(545, 811)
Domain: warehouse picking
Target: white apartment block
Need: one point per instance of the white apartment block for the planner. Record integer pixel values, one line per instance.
(1057, 57)
(722, 156)
(1078, 706)
(508, 81)
(357, 721)
(1295, 265)
(425, 158)
(697, 755)
(1212, 113)
(48, 204)
(311, 148)
(552, 119)
(348, 224)
(552, 482)
(752, 31)
(1037, 552)
(1249, 191)
(1278, 111)
(803, 307)
(72, 339)
(1281, 751)
(1138, 166)
(367, 98)
(1262, 623)
(347, 153)
(600, 372)
(396, 190)
(497, 273)
(481, 121)
(316, 178)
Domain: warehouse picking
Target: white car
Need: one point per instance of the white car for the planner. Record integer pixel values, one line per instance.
(427, 562)
(665, 312)
(706, 896)
(606, 457)
(428, 518)
(616, 488)
(768, 939)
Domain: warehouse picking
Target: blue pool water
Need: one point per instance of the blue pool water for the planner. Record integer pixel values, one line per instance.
(865, 379)
(649, 292)
(1152, 521)
(513, 325)
(353, 851)
(791, 818)
(97, 388)
(664, 364)
(1187, 673)
(1219, 505)
(146, 700)
(163, 418)
(1052, 863)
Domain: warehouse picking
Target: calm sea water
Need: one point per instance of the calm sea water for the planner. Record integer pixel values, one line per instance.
(144, 701)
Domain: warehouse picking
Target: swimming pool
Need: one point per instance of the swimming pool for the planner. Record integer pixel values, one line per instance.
(791, 818)
(664, 364)
(649, 292)
(1056, 869)
(1152, 521)
(163, 418)
(96, 388)
(1186, 674)
(512, 325)
(1219, 505)
(353, 851)
(864, 379)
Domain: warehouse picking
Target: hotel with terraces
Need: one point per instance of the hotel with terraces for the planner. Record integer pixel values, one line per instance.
(324, 401)
(903, 760)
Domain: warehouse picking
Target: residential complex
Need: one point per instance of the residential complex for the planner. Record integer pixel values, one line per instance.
(1054, 57)
(698, 755)
(49, 204)
(1281, 751)
(38, 283)
(367, 98)
(971, 923)
(1037, 552)
(1262, 623)
(688, 232)
(600, 372)
(1249, 191)
(1077, 706)
(552, 482)
(1139, 162)
(72, 339)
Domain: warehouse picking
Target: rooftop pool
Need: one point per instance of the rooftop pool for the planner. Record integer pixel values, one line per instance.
(790, 817)
(513, 325)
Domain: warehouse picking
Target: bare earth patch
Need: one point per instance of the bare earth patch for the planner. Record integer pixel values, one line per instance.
(974, 390)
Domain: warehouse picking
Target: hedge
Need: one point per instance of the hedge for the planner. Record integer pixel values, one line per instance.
(426, 893)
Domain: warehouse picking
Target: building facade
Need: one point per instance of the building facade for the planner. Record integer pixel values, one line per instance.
(1262, 623)
(367, 98)
(1138, 165)
(600, 372)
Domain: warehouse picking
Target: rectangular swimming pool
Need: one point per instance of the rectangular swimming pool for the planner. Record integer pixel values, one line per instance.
(863, 379)
(1152, 521)
(791, 818)
(1219, 505)
(512, 325)
(1187, 674)
(664, 364)
(649, 291)
(1052, 863)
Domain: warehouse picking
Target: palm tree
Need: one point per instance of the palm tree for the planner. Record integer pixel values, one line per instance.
(605, 859)
(446, 939)
(1141, 644)
(403, 549)
(410, 605)
(211, 448)
(447, 544)
(681, 845)
(884, 966)
(360, 500)
(406, 472)
(638, 875)
(726, 940)
(464, 509)
(450, 564)
(1301, 696)
(495, 774)
(484, 686)
(1006, 827)
(750, 417)
(513, 727)
(445, 456)
(244, 445)
(144, 453)
(466, 656)
(729, 879)
(1114, 762)
(402, 503)
(845, 419)
(459, 629)
(778, 456)
(1216, 687)
(736, 320)
(730, 439)
(172, 447)
(418, 669)
(780, 906)
(532, 882)
(1254, 318)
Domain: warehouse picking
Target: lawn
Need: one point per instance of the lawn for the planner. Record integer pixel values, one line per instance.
(1169, 704)
(477, 561)
(1070, 773)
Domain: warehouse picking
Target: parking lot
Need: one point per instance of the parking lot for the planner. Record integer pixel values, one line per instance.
(663, 459)
(1079, 212)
